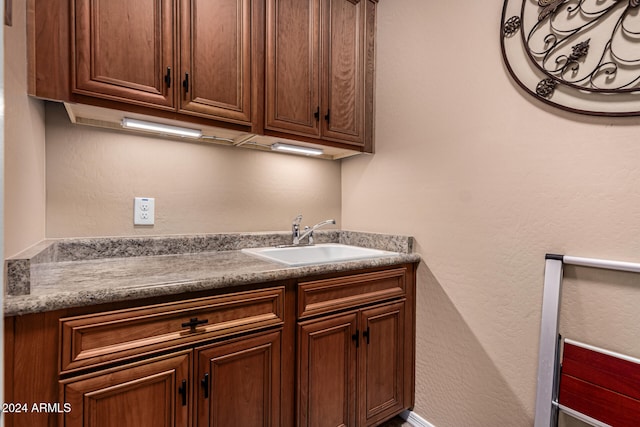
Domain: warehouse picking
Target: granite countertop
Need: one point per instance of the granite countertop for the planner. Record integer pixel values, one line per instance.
(58, 274)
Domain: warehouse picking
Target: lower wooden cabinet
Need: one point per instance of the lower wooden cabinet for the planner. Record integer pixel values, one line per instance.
(239, 382)
(155, 393)
(327, 371)
(351, 367)
(381, 362)
(236, 382)
(332, 350)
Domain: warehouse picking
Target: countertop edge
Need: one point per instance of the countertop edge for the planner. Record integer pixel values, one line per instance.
(31, 304)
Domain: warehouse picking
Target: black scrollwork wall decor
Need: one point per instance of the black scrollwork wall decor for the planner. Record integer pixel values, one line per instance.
(580, 55)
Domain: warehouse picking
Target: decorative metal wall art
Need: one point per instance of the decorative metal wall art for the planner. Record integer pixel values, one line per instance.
(580, 55)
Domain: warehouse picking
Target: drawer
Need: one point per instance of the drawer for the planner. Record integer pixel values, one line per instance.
(101, 338)
(330, 295)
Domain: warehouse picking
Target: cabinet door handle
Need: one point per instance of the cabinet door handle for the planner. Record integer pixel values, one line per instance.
(205, 385)
(167, 77)
(194, 322)
(366, 334)
(185, 83)
(317, 114)
(183, 391)
(356, 338)
(327, 117)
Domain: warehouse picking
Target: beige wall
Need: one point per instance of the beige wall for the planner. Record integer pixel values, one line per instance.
(488, 181)
(93, 176)
(24, 166)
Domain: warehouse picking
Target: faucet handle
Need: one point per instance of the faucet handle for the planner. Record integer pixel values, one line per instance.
(295, 229)
(309, 232)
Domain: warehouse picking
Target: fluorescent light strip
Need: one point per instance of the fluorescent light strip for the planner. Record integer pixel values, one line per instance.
(296, 149)
(160, 128)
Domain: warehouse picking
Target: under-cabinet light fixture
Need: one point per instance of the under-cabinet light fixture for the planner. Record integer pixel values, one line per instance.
(296, 149)
(160, 128)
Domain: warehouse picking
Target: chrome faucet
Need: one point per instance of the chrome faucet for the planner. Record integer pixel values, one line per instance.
(308, 231)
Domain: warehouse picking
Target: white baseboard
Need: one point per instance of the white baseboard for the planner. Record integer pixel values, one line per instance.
(415, 420)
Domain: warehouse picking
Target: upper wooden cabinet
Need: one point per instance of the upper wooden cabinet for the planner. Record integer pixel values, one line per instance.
(319, 76)
(216, 58)
(123, 50)
(292, 69)
(133, 52)
(293, 66)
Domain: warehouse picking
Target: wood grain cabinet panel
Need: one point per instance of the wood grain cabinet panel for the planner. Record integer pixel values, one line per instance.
(343, 70)
(216, 58)
(327, 371)
(155, 393)
(105, 337)
(381, 363)
(122, 50)
(239, 382)
(293, 66)
(330, 295)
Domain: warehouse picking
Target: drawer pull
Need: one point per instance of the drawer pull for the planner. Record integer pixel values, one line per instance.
(167, 77)
(183, 391)
(194, 322)
(205, 385)
(365, 334)
(356, 337)
(185, 83)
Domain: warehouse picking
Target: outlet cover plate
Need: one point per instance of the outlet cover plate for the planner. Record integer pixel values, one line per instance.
(144, 211)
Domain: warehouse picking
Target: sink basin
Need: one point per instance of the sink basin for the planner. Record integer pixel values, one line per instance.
(316, 254)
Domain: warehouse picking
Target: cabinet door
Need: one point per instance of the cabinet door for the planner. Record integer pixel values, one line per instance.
(239, 382)
(327, 371)
(123, 50)
(292, 77)
(381, 363)
(216, 58)
(343, 70)
(155, 393)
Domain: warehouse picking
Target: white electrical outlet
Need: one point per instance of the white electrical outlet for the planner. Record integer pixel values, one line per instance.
(144, 211)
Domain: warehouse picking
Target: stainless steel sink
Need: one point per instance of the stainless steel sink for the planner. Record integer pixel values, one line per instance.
(316, 254)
